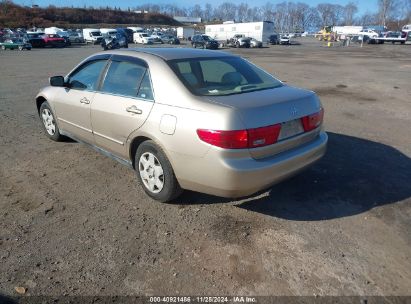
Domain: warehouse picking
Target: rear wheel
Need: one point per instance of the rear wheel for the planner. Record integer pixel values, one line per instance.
(49, 122)
(155, 173)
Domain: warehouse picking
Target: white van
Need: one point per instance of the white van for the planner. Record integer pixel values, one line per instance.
(92, 35)
(108, 32)
(143, 38)
(136, 29)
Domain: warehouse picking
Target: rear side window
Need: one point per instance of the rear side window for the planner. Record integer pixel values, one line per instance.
(145, 91)
(128, 79)
(86, 78)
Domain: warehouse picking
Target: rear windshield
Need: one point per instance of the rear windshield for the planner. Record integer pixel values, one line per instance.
(222, 76)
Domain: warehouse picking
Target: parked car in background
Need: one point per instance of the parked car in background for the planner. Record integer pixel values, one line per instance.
(367, 34)
(204, 41)
(187, 119)
(170, 39)
(238, 41)
(126, 32)
(157, 36)
(142, 38)
(92, 36)
(394, 35)
(75, 37)
(15, 44)
(273, 39)
(285, 39)
(36, 40)
(254, 43)
(54, 40)
(116, 41)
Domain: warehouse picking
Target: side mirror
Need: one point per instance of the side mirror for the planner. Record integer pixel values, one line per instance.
(57, 81)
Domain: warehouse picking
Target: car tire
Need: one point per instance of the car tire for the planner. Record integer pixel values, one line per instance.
(49, 122)
(155, 173)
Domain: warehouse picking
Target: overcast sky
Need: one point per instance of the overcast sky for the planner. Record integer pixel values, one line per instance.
(363, 5)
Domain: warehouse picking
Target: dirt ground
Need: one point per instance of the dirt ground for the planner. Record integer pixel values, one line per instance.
(74, 222)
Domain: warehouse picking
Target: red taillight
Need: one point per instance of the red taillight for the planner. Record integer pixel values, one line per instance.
(225, 139)
(310, 122)
(264, 136)
(241, 139)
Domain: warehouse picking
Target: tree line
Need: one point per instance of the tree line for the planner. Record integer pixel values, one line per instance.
(14, 16)
(288, 16)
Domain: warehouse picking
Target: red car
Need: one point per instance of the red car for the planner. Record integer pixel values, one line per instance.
(54, 40)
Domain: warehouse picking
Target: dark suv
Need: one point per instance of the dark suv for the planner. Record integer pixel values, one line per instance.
(204, 41)
(273, 39)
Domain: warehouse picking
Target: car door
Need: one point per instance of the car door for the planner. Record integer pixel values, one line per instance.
(122, 104)
(73, 102)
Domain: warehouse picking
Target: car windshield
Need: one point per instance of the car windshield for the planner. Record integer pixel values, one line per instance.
(206, 38)
(222, 76)
(95, 34)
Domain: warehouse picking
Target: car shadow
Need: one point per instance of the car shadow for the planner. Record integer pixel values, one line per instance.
(354, 176)
(6, 300)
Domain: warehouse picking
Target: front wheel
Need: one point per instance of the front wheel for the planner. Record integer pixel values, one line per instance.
(155, 173)
(49, 122)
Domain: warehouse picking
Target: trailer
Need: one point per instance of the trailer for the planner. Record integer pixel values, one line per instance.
(389, 39)
(347, 30)
(260, 31)
(185, 32)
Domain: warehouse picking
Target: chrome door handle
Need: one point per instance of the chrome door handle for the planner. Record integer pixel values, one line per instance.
(134, 109)
(85, 100)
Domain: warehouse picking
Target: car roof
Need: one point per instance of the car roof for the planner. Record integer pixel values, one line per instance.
(178, 53)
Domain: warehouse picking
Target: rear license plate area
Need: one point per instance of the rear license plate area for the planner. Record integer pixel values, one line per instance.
(290, 128)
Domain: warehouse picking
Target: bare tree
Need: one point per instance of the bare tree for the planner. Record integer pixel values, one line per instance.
(325, 11)
(242, 9)
(195, 11)
(367, 19)
(330, 14)
(208, 12)
(306, 17)
(349, 12)
(268, 11)
(385, 9)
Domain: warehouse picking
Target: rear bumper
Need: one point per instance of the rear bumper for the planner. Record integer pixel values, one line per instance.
(242, 176)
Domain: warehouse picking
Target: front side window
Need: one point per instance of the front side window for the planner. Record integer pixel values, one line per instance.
(86, 78)
(128, 79)
(222, 76)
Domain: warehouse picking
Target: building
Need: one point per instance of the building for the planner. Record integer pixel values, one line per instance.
(187, 19)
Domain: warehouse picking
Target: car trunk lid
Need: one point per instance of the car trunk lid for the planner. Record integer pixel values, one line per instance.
(283, 105)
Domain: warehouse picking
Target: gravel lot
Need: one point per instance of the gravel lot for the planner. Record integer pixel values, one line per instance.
(75, 222)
